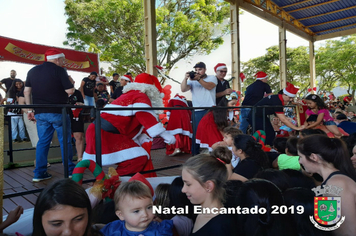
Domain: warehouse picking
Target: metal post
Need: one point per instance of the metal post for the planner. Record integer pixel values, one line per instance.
(1, 159)
(64, 140)
(264, 118)
(9, 126)
(253, 119)
(98, 137)
(194, 132)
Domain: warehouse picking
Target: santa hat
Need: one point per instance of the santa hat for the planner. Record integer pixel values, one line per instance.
(261, 75)
(145, 78)
(141, 178)
(127, 77)
(53, 53)
(290, 90)
(220, 66)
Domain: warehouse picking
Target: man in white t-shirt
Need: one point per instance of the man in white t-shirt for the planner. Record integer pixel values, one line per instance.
(203, 88)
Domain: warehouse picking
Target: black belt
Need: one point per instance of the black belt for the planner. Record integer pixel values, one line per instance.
(107, 126)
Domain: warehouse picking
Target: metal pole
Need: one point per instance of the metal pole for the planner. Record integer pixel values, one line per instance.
(194, 132)
(9, 126)
(253, 115)
(98, 137)
(2, 159)
(64, 140)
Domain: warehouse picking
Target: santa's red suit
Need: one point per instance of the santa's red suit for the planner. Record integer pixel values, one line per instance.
(208, 132)
(126, 147)
(179, 125)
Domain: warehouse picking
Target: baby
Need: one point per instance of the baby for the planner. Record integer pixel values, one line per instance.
(133, 205)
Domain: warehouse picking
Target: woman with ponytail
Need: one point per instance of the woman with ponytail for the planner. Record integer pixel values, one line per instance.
(330, 158)
(253, 158)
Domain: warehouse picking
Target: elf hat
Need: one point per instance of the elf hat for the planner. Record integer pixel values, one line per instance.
(145, 78)
(127, 77)
(220, 66)
(53, 53)
(141, 178)
(261, 75)
(290, 90)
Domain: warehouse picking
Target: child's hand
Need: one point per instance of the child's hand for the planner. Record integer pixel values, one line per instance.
(13, 216)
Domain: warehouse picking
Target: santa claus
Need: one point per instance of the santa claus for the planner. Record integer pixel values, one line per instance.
(122, 139)
(180, 126)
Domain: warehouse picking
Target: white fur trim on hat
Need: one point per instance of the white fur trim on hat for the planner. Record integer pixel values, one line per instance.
(221, 67)
(51, 57)
(125, 78)
(288, 93)
(150, 90)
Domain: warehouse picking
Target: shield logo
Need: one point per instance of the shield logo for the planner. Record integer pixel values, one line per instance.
(327, 210)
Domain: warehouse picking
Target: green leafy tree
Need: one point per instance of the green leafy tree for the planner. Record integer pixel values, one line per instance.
(336, 64)
(115, 29)
(297, 68)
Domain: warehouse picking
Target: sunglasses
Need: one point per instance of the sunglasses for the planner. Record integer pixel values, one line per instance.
(223, 71)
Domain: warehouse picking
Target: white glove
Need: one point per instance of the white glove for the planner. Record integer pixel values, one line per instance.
(168, 114)
(168, 138)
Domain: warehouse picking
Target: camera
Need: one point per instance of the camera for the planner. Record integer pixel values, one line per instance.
(192, 74)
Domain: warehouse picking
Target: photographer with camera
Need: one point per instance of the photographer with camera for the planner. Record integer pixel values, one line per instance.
(203, 88)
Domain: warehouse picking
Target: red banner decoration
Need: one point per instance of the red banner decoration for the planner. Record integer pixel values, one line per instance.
(242, 76)
(29, 53)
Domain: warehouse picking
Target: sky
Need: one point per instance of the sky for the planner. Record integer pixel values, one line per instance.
(44, 22)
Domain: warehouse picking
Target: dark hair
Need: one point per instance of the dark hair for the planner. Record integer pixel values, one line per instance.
(179, 199)
(100, 103)
(332, 150)
(312, 118)
(298, 179)
(115, 74)
(279, 144)
(94, 73)
(262, 193)
(292, 146)
(305, 198)
(204, 167)
(162, 199)
(13, 90)
(223, 153)
(62, 192)
(279, 178)
(221, 114)
(252, 149)
(350, 142)
(319, 102)
(307, 132)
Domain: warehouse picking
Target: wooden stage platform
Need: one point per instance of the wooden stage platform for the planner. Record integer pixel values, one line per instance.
(20, 179)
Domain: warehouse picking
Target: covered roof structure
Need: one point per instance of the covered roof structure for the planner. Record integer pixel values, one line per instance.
(311, 19)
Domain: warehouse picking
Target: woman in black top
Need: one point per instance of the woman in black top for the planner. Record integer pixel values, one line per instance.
(329, 158)
(253, 159)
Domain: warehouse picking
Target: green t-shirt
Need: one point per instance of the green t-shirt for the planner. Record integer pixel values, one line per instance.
(288, 162)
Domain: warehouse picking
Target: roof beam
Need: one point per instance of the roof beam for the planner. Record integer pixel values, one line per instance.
(335, 34)
(346, 18)
(316, 5)
(297, 3)
(275, 18)
(327, 13)
(336, 28)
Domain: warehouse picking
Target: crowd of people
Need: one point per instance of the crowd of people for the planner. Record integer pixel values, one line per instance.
(244, 183)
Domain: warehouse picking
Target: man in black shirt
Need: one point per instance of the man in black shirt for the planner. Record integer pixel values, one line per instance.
(223, 86)
(114, 83)
(48, 83)
(8, 81)
(254, 93)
